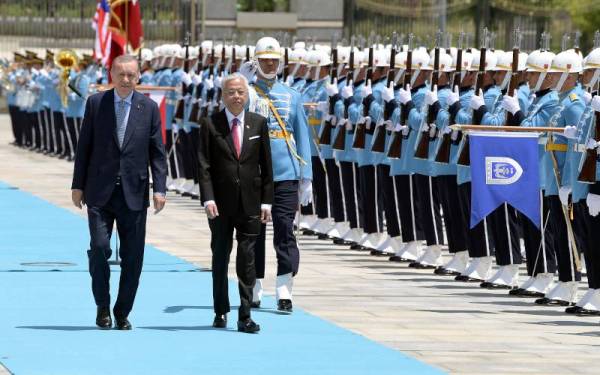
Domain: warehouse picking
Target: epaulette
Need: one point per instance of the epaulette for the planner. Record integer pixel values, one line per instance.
(573, 97)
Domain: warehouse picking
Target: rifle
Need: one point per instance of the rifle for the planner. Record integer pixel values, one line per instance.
(199, 68)
(325, 138)
(247, 47)
(587, 174)
(179, 112)
(286, 60)
(395, 150)
(464, 158)
(379, 138)
(361, 128)
(340, 138)
(422, 150)
(514, 79)
(443, 153)
(220, 74)
(210, 94)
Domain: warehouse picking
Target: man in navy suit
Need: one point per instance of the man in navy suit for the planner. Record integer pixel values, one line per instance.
(120, 138)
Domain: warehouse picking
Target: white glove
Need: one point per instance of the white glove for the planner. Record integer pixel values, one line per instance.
(563, 194)
(400, 128)
(365, 120)
(431, 96)
(424, 127)
(453, 97)
(591, 144)
(387, 94)
(446, 130)
(322, 107)
(305, 193)
(186, 78)
(587, 97)
(208, 83)
(570, 132)
(332, 88)
(218, 81)
(432, 130)
(196, 79)
(596, 103)
(347, 91)
(331, 118)
(248, 69)
(593, 203)
(342, 122)
(366, 90)
(388, 125)
(454, 135)
(289, 81)
(404, 95)
(511, 104)
(477, 101)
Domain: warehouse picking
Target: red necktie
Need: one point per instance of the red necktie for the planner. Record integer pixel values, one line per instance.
(235, 135)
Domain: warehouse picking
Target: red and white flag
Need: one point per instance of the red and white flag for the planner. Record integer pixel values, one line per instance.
(103, 34)
(160, 98)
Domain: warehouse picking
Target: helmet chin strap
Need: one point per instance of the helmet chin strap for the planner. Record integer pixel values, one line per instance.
(340, 67)
(355, 74)
(414, 77)
(204, 59)
(594, 79)
(316, 73)
(269, 76)
(397, 76)
(505, 81)
(561, 81)
(539, 82)
(295, 70)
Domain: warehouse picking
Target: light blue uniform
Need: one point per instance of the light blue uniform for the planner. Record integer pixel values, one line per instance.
(575, 157)
(289, 106)
(375, 111)
(76, 104)
(314, 93)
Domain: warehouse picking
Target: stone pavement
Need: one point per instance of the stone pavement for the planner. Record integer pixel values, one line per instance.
(457, 327)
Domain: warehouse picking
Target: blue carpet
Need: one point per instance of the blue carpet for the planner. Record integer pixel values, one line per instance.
(47, 314)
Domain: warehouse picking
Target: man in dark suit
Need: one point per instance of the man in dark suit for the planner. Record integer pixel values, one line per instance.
(120, 137)
(236, 187)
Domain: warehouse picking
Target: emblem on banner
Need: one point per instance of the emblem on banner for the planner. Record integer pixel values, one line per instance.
(502, 170)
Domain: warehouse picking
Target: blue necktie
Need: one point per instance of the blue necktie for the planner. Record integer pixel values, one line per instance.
(121, 125)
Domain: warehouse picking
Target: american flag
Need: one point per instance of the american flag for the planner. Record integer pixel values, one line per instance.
(103, 34)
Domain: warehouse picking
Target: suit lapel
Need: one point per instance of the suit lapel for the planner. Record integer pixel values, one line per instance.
(132, 121)
(226, 131)
(247, 134)
(112, 117)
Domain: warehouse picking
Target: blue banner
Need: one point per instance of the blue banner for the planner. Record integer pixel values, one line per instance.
(504, 168)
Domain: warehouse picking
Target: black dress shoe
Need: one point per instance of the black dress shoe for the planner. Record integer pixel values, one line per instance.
(377, 253)
(489, 285)
(255, 305)
(248, 326)
(322, 236)
(103, 319)
(356, 247)
(529, 294)
(122, 323)
(220, 321)
(399, 259)
(516, 292)
(285, 305)
(341, 241)
(441, 271)
(552, 302)
(421, 266)
(587, 312)
(308, 232)
(467, 279)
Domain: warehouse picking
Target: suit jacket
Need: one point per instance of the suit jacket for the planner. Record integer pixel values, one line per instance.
(99, 160)
(236, 185)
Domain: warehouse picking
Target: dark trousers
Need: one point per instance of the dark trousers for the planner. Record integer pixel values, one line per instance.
(567, 271)
(407, 208)
(369, 191)
(429, 209)
(587, 234)
(71, 125)
(62, 144)
(247, 229)
(336, 197)
(388, 190)
(15, 122)
(479, 241)
(321, 204)
(195, 144)
(36, 134)
(505, 223)
(539, 243)
(186, 155)
(131, 226)
(349, 172)
(27, 128)
(456, 227)
(283, 213)
(50, 136)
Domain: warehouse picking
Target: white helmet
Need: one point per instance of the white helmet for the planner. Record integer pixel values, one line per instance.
(298, 56)
(146, 54)
(539, 61)
(343, 55)
(491, 59)
(316, 58)
(267, 48)
(300, 45)
(179, 51)
(592, 61)
(420, 60)
(194, 52)
(467, 59)
(505, 61)
(565, 63)
(381, 58)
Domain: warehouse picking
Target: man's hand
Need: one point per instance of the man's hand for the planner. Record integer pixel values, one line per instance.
(265, 213)
(77, 198)
(159, 202)
(211, 211)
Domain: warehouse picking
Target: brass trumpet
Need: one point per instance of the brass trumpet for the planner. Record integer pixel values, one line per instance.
(66, 59)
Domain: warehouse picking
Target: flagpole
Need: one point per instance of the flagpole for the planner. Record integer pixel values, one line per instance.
(126, 26)
(507, 128)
